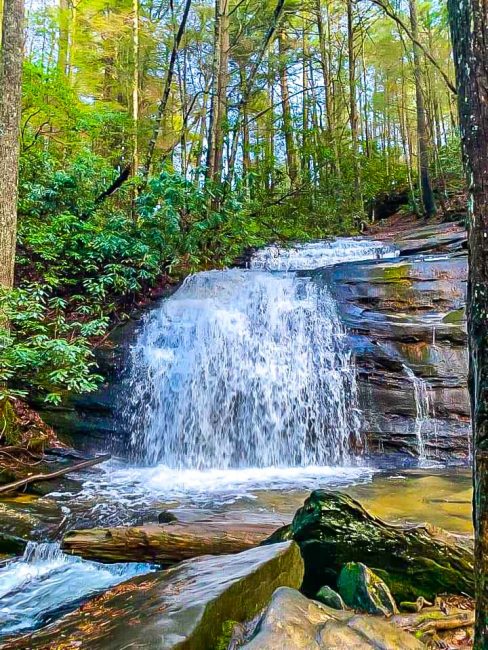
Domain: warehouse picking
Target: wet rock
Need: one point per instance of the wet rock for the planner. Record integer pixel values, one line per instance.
(292, 622)
(333, 529)
(329, 597)
(166, 517)
(186, 607)
(11, 545)
(407, 323)
(30, 517)
(361, 589)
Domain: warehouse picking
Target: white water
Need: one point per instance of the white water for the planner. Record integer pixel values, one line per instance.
(243, 369)
(322, 253)
(45, 579)
(422, 407)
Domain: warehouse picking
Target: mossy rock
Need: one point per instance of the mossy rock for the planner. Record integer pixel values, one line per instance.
(333, 529)
(329, 597)
(362, 590)
(11, 545)
(11, 433)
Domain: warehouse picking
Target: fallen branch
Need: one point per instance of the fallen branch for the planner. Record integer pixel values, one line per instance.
(10, 487)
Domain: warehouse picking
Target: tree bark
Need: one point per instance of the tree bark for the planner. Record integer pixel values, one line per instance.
(135, 87)
(469, 29)
(168, 544)
(63, 39)
(166, 92)
(422, 134)
(291, 153)
(218, 110)
(10, 111)
(353, 108)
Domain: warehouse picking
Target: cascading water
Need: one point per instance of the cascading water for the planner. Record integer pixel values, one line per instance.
(321, 253)
(44, 580)
(243, 369)
(248, 368)
(422, 407)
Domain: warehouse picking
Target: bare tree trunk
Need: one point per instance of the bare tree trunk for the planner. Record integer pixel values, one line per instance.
(166, 91)
(353, 109)
(63, 39)
(428, 201)
(325, 67)
(135, 87)
(10, 111)
(469, 29)
(218, 110)
(291, 154)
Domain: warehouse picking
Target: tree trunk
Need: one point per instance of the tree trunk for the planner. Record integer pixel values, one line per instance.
(167, 543)
(166, 91)
(63, 39)
(218, 110)
(469, 29)
(10, 110)
(328, 90)
(353, 108)
(422, 135)
(291, 154)
(135, 88)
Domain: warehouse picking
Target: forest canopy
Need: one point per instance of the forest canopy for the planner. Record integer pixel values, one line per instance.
(161, 138)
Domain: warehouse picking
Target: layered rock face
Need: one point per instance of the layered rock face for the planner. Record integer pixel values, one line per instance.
(407, 327)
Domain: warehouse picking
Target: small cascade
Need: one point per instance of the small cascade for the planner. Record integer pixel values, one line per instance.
(321, 253)
(423, 408)
(45, 581)
(243, 369)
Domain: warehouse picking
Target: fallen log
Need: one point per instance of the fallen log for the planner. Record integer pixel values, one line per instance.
(333, 529)
(165, 544)
(35, 478)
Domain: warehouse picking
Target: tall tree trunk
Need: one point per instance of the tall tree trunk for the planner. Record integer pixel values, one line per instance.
(428, 201)
(291, 153)
(328, 89)
(469, 29)
(218, 110)
(353, 108)
(10, 110)
(166, 91)
(63, 38)
(135, 87)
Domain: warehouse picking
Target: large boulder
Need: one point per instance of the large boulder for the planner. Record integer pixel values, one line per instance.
(293, 622)
(187, 607)
(333, 529)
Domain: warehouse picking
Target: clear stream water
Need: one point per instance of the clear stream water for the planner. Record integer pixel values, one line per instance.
(241, 397)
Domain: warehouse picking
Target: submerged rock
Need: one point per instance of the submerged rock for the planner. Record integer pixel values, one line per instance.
(187, 607)
(292, 622)
(333, 529)
(329, 597)
(361, 589)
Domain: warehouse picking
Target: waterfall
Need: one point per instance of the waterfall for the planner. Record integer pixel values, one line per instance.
(243, 369)
(422, 407)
